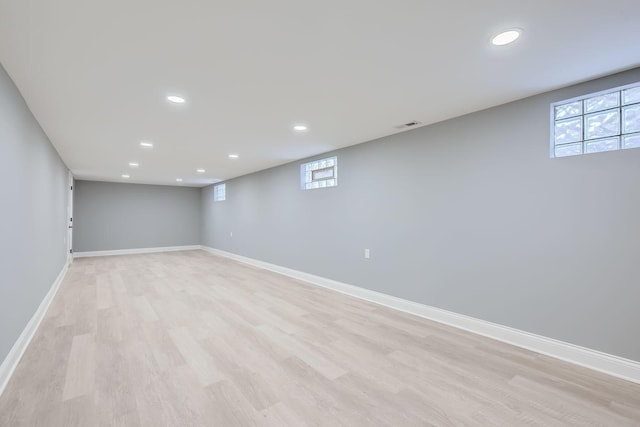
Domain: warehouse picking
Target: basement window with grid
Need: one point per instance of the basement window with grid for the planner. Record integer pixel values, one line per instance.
(319, 174)
(603, 121)
(219, 192)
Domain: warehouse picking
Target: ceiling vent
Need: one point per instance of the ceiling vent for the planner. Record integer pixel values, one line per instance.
(408, 125)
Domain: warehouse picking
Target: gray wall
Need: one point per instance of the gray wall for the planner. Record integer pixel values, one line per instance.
(33, 227)
(469, 215)
(110, 216)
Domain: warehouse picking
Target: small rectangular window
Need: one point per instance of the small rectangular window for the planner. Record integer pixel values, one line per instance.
(219, 192)
(603, 121)
(319, 174)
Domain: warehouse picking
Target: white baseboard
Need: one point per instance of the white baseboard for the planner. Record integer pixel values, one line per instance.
(593, 359)
(135, 251)
(10, 363)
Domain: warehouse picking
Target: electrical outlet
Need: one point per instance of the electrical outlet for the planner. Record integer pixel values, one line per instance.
(367, 253)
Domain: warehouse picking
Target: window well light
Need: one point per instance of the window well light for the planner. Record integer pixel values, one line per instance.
(146, 144)
(300, 128)
(125, 176)
(233, 156)
(506, 37)
(178, 179)
(175, 99)
(134, 164)
(200, 170)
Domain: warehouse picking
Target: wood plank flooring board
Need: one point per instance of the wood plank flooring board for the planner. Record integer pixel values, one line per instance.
(103, 291)
(629, 411)
(202, 364)
(80, 378)
(384, 405)
(473, 386)
(257, 380)
(256, 390)
(363, 367)
(231, 408)
(321, 391)
(315, 332)
(249, 351)
(281, 305)
(144, 310)
(448, 396)
(279, 415)
(114, 394)
(79, 411)
(165, 353)
(303, 351)
(127, 420)
(582, 410)
(193, 339)
(116, 281)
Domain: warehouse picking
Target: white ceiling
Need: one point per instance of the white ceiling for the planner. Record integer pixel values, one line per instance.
(96, 73)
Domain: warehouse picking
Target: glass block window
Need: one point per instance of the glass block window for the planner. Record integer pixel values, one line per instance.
(219, 192)
(602, 121)
(319, 174)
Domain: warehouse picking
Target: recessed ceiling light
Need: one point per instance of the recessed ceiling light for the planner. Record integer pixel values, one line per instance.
(179, 179)
(125, 176)
(506, 37)
(200, 170)
(233, 156)
(146, 144)
(134, 164)
(300, 128)
(175, 99)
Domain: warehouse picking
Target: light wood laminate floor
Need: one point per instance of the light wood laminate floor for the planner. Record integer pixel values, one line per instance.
(191, 339)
